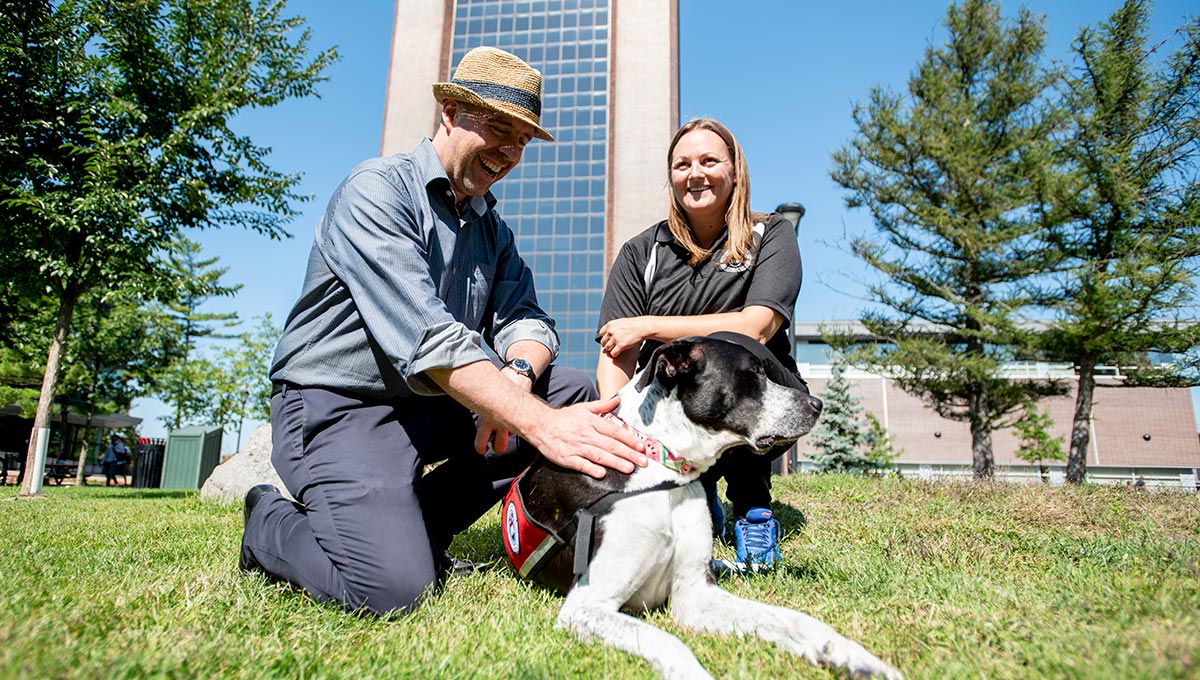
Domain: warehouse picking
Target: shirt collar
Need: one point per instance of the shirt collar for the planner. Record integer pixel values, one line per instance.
(431, 170)
(663, 235)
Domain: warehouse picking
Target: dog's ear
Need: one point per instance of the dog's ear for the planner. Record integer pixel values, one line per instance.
(672, 360)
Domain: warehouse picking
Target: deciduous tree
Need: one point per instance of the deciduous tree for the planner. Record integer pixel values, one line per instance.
(116, 133)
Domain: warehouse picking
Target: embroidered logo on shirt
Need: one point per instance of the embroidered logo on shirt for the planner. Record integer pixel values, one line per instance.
(738, 266)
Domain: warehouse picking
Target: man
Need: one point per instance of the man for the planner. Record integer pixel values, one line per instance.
(380, 370)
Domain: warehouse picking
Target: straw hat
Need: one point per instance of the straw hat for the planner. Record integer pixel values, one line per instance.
(493, 79)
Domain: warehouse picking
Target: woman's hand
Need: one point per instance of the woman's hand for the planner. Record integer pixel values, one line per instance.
(618, 335)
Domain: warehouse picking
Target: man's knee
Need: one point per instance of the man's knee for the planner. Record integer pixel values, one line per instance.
(565, 386)
(400, 593)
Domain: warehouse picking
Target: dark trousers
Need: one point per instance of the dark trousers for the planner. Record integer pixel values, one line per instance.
(748, 474)
(370, 524)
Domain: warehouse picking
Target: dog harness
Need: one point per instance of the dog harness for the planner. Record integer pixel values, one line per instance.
(531, 544)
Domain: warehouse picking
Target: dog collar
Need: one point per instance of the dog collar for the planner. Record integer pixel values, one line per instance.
(654, 448)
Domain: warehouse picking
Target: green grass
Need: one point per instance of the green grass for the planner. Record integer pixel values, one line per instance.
(940, 580)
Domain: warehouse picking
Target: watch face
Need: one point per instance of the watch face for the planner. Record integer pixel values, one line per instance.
(523, 367)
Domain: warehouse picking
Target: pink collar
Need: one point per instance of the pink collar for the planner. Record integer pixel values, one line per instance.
(654, 448)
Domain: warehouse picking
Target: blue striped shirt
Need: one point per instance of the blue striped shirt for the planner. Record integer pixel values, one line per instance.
(397, 284)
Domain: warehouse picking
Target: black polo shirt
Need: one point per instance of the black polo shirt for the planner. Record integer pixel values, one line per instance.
(771, 279)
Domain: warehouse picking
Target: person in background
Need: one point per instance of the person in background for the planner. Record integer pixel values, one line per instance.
(114, 459)
(380, 371)
(712, 267)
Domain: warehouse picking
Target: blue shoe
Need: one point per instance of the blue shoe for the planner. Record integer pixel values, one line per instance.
(757, 539)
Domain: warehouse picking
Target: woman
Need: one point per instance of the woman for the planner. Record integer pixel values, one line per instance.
(711, 266)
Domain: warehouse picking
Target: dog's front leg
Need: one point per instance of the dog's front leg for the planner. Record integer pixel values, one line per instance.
(630, 567)
(702, 606)
(592, 619)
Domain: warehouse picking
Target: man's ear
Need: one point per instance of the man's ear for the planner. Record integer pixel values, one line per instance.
(672, 361)
(450, 109)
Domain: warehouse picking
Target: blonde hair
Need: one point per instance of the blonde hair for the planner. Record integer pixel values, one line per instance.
(739, 220)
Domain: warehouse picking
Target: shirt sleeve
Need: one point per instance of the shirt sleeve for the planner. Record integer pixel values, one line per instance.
(777, 272)
(625, 294)
(371, 240)
(515, 313)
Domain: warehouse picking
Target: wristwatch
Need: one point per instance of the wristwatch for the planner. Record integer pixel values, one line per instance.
(522, 367)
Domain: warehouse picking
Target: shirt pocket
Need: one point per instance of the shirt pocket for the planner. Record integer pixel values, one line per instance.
(479, 292)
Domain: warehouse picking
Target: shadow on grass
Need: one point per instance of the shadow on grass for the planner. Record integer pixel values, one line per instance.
(791, 520)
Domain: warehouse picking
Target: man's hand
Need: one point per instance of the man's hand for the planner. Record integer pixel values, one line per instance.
(488, 431)
(576, 437)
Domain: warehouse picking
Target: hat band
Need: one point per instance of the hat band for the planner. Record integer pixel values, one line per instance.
(503, 93)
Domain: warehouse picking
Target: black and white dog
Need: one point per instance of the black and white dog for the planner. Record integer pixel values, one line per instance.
(652, 536)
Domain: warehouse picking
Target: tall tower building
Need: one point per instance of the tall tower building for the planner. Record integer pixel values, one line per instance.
(610, 96)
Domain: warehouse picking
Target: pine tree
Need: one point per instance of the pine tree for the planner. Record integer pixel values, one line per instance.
(187, 384)
(1128, 205)
(952, 176)
(839, 433)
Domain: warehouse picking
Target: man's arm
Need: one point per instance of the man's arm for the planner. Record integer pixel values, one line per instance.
(574, 437)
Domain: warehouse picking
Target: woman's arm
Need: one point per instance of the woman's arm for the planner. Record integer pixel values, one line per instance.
(613, 372)
(623, 336)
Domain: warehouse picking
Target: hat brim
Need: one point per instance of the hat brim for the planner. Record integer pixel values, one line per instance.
(459, 93)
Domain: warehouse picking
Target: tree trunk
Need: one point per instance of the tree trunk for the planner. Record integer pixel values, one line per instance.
(981, 451)
(83, 448)
(39, 437)
(1080, 429)
(981, 436)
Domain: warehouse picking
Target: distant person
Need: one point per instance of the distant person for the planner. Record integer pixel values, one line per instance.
(114, 459)
(711, 266)
(381, 371)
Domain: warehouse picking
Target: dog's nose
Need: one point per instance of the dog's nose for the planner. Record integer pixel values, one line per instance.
(815, 404)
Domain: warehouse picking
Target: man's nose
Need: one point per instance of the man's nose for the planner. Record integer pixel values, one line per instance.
(511, 151)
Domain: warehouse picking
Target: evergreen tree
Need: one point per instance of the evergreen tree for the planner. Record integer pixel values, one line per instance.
(839, 433)
(953, 178)
(1128, 227)
(188, 388)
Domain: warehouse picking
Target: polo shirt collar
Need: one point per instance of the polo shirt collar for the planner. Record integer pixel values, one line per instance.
(433, 173)
(663, 235)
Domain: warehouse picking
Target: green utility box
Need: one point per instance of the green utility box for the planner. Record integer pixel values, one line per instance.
(192, 453)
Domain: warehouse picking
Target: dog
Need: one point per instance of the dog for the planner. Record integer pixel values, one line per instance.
(644, 538)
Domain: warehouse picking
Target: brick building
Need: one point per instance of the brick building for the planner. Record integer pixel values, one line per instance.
(1136, 432)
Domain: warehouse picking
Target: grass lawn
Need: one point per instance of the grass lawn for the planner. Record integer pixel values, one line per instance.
(940, 580)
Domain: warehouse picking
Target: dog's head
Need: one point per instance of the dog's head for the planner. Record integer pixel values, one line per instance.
(724, 388)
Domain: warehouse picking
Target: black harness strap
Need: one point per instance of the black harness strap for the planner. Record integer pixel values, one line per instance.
(581, 527)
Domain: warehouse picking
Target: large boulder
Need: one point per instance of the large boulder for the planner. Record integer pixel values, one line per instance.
(230, 480)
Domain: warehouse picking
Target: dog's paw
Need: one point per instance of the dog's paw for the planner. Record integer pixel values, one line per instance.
(855, 661)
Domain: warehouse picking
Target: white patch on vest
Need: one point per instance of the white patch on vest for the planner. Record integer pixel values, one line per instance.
(511, 528)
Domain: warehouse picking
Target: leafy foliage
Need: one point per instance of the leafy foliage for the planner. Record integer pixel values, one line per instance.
(1036, 443)
(116, 134)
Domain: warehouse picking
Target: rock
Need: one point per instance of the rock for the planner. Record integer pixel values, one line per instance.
(230, 480)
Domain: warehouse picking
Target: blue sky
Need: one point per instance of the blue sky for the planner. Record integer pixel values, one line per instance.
(782, 75)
